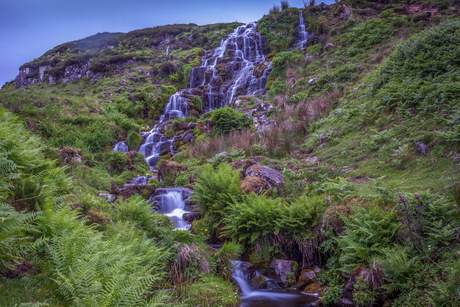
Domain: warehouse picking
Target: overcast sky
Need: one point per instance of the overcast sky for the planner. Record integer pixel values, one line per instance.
(28, 28)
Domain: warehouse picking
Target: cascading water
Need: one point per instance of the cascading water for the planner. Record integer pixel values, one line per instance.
(171, 202)
(237, 67)
(302, 34)
(252, 298)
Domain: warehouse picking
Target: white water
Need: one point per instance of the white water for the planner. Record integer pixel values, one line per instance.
(252, 298)
(239, 52)
(172, 205)
(303, 35)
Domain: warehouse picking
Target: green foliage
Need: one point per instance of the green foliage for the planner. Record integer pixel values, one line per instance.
(90, 269)
(430, 223)
(134, 140)
(225, 255)
(212, 291)
(368, 231)
(228, 119)
(215, 189)
(279, 28)
(258, 217)
(137, 211)
(424, 83)
(15, 230)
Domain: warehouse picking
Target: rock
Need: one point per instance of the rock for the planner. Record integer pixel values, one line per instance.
(312, 81)
(422, 148)
(70, 155)
(306, 277)
(255, 184)
(284, 272)
(192, 216)
(258, 282)
(274, 178)
(169, 169)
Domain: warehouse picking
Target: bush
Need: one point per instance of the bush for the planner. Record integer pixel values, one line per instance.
(228, 119)
(216, 189)
(134, 140)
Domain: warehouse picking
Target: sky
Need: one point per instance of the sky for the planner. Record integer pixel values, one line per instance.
(29, 28)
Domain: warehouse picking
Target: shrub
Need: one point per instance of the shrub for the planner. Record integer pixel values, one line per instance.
(368, 231)
(134, 140)
(215, 189)
(228, 119)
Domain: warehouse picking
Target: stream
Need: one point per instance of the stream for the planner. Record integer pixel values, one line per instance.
(241, 52)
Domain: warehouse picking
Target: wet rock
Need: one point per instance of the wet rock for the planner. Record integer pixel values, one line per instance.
(258, 282)
(255, 184)
(274, 178)
(284, 272)
(169, 169)
(192, 216)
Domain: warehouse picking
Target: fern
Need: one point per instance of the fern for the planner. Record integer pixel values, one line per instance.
(90, 269)
(368, 232)
(15, 231)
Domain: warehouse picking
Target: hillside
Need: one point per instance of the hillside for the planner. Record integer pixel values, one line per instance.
(321, 146)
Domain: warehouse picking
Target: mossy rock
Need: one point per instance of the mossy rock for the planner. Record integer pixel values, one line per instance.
(255, 184)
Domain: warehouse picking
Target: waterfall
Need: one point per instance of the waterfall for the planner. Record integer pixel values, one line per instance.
(172, 204)
(302, 34)
(251, 298)
(237, 67)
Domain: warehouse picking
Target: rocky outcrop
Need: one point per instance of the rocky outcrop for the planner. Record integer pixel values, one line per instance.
(46, 73)
(284, 272)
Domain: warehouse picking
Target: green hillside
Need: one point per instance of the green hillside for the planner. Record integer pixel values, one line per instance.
(359, 134)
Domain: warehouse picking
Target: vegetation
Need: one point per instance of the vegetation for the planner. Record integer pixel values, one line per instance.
(363, 125)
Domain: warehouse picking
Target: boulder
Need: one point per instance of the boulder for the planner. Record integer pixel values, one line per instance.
(273, 177)
(255, 184)
(258, 282)
(284, 272)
